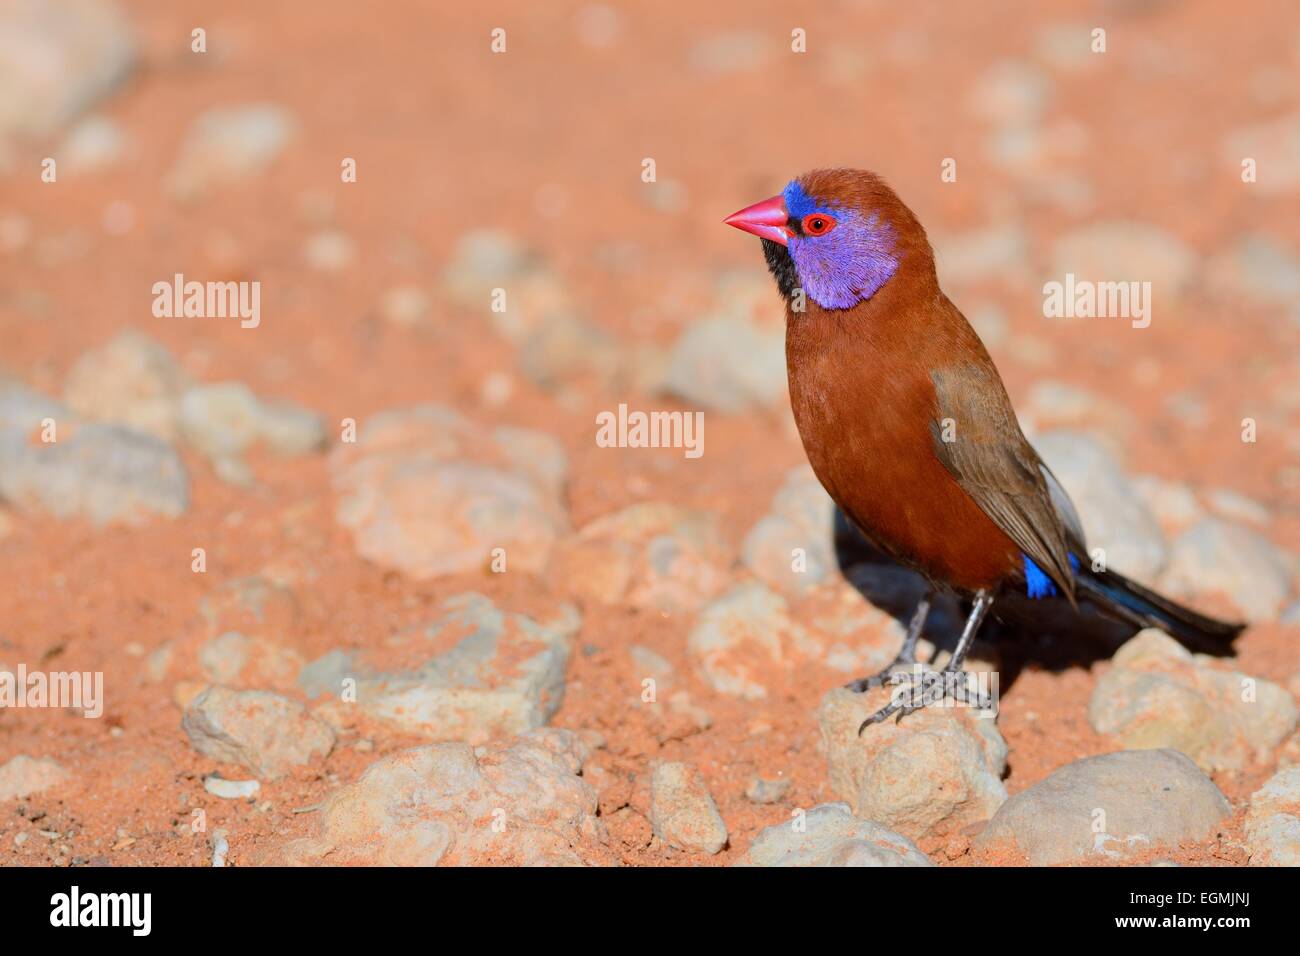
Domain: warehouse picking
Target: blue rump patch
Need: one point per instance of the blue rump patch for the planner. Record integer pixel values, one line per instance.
(1038, 584)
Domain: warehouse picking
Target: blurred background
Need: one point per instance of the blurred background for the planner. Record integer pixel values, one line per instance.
(383, 172)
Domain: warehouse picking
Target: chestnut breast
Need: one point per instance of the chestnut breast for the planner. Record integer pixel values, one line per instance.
(864, 401)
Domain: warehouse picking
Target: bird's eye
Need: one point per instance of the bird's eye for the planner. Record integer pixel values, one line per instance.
(817, 224)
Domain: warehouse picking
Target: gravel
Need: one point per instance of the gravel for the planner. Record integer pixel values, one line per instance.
(1215, 557)
(1273, 821)
(682, 811)
(267, 733)
(791, 548)
(102, 472)
(58, 59)
(829, 835)
(486, 672)
(517, 802)
(1157, 694)
(23, 776)
(651, 556)
(931, 774)
(430, 493)
(1110, 807)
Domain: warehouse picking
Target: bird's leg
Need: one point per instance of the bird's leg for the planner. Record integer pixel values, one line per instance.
(983, 600)
(907, 654)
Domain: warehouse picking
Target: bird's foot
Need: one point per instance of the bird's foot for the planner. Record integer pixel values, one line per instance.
(900, 664)
(921, 687)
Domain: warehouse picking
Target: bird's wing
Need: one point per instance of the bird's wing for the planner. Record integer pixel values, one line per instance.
(979, 442)
(1064, 510)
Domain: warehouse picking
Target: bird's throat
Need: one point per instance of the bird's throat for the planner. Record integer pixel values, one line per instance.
(781, 265)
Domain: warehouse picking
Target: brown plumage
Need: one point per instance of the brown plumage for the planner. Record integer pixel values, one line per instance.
(877, 387)
(905, 419)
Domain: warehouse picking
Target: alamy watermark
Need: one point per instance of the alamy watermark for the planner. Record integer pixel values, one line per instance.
(81, 690)
(1084, 299)
(634, 429)
(208, 300)
(130, 910)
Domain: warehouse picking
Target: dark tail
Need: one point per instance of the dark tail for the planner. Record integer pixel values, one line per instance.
(1118, 597)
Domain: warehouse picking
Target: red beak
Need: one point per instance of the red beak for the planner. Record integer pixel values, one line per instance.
(766, 219)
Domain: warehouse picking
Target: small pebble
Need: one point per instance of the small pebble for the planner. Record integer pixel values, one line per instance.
(220, 847)
(767, 791)
(230, 789)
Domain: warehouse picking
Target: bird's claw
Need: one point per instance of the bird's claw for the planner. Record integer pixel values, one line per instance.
(863, 684)
(926, 687)
(882, 714)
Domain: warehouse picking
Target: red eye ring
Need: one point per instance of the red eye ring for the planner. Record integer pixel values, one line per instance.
(817, 224)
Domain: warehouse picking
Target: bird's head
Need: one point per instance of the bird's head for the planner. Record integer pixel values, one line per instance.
(838, 234)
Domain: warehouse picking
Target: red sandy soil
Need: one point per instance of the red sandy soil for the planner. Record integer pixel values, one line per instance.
(450, 139)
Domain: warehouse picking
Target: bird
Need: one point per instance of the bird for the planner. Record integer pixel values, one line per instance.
(908, 426)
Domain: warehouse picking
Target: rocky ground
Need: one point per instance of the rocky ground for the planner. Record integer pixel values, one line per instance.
(363, 586)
